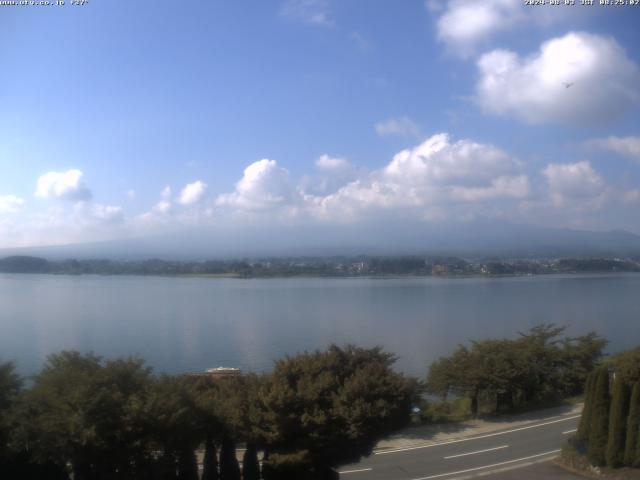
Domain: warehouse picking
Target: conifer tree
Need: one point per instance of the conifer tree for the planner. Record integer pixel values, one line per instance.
(250, 464)
(210, 462)
(617, 422)
(632, 444)
(187, 465)
(585, 419)
(599, 429)
(229, 468)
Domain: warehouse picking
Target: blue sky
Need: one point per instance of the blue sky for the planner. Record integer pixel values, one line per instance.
(312, 112)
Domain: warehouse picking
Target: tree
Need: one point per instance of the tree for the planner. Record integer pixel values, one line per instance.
(540, 365)
(87, 413)
(323, 409)
(627, 364)
(210, 462)
(174, 422)
(617, 422)
(229, 468)
(579, 357)
(585, 419)
(456, 374)
(598, 431)
(632, 442)
(250, 464)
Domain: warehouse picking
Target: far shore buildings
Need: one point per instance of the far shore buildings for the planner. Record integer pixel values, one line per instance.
(217, 373)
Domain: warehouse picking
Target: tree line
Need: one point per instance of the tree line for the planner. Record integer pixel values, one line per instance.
(609, 430)
(503, 374)
(101, 419)
(98, 419)
(317, 266)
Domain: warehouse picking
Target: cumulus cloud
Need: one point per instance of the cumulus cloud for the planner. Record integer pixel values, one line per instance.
(314, 12)
(626, 146)
(192, 193)
(67, 185)
(432, 179)
(263, 185)
(402, 126)
(465, 23)
(10, 203)
(576, 78)
(465, 26)
(100, 214)
(573, 182)
(332, 164)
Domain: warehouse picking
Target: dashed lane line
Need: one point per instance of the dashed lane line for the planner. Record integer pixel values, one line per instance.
(476, 452)
(355, 471)
(440, 475)
(406, 449)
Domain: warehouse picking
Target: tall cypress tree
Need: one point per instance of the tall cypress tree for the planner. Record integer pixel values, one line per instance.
(599, 430)
(229, 468)
(632, 444)
(210, 462)
(618, 422)
(187, 465)
(585, 419)
(250, 464)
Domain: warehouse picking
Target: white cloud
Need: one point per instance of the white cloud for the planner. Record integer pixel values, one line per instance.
(625, 146)
(163, 207)
(315, 12)
(131, 194)
(263, 185)
(103, 214)
(192, 193)
(166, 193)
(434, 179)
(465, 23)
(573, 182)
(66, 185)
(403, 126)
(332, 164)
(439, 161)
(631, 196)
(577, 78)
(10, 203)
(505, 186)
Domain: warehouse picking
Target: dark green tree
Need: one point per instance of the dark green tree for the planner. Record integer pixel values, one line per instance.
(175, 423)
(250, 464)
(632, 442)
(579, 357)
(187, 465)
(627, 364)
(324, 409)
(87, 413)
(210, 462)
(618, 422)
(540, 365)
(585, 419)
(599, 429)
(229, 467)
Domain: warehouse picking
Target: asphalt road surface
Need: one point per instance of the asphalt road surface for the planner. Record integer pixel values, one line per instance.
(467, 457)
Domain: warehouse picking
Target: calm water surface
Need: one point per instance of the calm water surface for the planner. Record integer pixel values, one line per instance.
(189, 324)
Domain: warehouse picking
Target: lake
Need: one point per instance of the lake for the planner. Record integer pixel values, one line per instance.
(190, 324)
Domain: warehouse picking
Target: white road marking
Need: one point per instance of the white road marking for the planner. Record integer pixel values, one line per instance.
(355, 471)
(570, 431)
(479, 451)
(385, 452)
(488, 466)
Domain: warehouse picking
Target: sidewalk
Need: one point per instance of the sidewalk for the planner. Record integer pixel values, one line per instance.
(436, 433)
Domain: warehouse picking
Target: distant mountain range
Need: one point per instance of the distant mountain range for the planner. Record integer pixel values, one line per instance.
(477, 238)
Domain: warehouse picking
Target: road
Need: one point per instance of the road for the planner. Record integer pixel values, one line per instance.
(467, 457)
